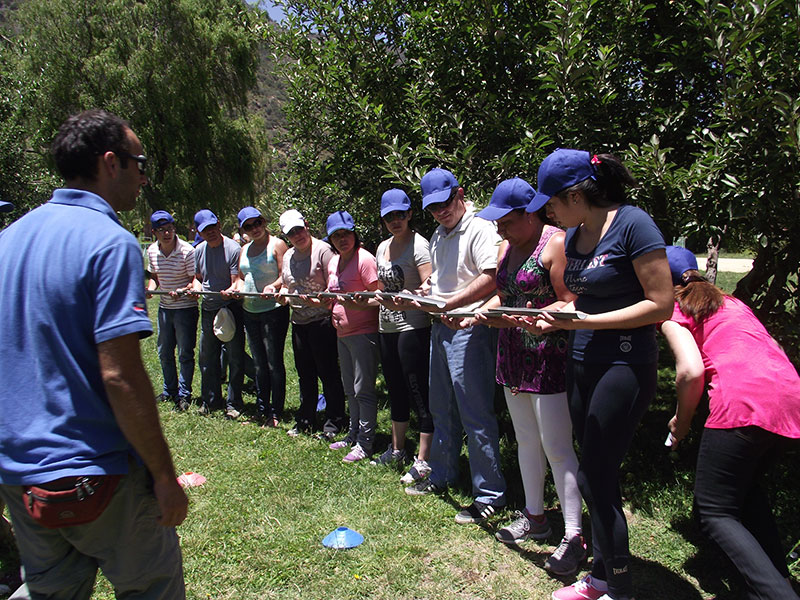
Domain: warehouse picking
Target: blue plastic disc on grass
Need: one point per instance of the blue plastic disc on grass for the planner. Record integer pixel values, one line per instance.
(342, 537)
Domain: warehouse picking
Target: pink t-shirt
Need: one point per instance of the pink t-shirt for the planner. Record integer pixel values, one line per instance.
(750, 379)
(360, 272)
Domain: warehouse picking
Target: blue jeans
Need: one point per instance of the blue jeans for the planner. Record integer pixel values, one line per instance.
(462, 397)
(266, 333)
(210, 350)
(177, 327)
(733, 505)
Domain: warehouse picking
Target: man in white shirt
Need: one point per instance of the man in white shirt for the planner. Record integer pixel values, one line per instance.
(462, 365)
(172, 262)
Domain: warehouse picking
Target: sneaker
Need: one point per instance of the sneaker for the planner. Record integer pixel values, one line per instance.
(182, 404)
(165, 398)
(477, 512)
(232, 414)
(325, 436)
(341, 444)
(566, 558)
(585, 589)
(523, 528)
(419, 470)
(204, 409)
(294, 431)
(356, 454)
(423, 488)
(390, 456)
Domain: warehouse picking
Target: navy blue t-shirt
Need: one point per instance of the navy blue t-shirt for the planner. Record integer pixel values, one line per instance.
(604, 280)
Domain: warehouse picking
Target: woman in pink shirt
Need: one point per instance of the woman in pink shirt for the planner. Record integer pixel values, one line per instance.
(754, 412)
(353, 269)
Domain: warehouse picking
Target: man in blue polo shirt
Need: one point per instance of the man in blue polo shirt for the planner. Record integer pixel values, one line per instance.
(75, 400)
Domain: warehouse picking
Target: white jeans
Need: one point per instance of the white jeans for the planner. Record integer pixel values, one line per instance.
(543, 428)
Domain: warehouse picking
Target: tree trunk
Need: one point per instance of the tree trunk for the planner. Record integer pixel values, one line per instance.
(713, 258)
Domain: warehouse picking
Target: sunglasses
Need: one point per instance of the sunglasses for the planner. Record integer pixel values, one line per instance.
(141, 160)
(295, 231)
(165, 228)
(395, 215)
(252, 224)
(435, 207)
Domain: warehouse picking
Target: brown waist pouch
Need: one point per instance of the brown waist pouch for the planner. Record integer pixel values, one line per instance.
(70, 500)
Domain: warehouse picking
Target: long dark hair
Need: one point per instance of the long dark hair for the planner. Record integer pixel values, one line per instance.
(357, 243)
(697, 298)
(609, 185)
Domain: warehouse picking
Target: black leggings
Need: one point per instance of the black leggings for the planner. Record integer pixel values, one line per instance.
(405, 358)
(606, 403)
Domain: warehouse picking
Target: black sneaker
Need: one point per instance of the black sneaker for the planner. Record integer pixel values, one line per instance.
(183, 403)
(423, 488)
(477, 512)
(165, 398)
(390, 456)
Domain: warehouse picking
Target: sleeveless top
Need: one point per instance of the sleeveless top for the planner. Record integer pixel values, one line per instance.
(527, 362)
(258, 271)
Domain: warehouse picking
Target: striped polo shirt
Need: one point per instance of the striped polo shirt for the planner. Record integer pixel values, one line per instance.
(174, 271)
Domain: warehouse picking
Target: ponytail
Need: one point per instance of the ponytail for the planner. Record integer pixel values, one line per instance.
(609, 184)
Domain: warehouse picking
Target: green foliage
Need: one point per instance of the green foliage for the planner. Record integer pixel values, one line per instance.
(699, 97)
(178, 70)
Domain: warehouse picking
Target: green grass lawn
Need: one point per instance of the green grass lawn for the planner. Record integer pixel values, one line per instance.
(255, 529)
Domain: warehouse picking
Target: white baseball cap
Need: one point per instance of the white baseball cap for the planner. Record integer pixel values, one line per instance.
(291, 219)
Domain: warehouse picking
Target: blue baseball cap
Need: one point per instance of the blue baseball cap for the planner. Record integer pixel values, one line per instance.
(204, 218)
(560, 170)
(341, 219)
(159, 218)
(680, 260)
(511, 194)
(6, 206)
(393, 200)
(436, 186)
(248, 212)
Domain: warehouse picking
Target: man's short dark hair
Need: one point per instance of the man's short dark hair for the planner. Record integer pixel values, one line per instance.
(84, 137)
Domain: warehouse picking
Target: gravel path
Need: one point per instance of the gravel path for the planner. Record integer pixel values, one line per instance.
(729, 265)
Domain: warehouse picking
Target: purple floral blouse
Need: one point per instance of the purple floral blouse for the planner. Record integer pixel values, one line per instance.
(527, 362)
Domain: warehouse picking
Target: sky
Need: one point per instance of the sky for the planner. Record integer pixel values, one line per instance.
(275, 13)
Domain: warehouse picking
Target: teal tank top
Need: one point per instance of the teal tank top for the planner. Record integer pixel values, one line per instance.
(258, 271)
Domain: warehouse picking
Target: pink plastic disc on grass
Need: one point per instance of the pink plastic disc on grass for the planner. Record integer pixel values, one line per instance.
(190, 479)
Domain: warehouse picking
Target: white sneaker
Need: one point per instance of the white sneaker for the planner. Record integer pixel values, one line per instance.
(418, 471)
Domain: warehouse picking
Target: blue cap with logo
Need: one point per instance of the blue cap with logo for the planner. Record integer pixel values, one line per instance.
(204, 218)
(341, 219)
(393, 200)
(159, 218)
(680, 260)
(248, 212)
(436, 186)
(560, 170)
(509, 195)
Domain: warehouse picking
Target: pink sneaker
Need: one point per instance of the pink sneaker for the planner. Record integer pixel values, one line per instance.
(585, 589)
(340, 445)
(355, 455)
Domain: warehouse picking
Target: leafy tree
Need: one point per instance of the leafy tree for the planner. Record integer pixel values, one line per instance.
(699, 97)
(178, 70)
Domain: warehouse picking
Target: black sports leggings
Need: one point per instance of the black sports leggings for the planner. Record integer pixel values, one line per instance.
(606, 403)
(405, 357)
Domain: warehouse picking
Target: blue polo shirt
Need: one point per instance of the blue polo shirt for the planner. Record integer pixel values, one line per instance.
(72, 278)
